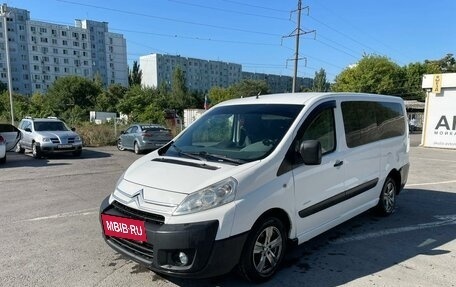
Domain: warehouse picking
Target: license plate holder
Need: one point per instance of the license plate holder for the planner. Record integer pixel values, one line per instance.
(65, 146)
(122, 227)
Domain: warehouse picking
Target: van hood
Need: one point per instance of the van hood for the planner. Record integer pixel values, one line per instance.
(159, 184)
(179, 175)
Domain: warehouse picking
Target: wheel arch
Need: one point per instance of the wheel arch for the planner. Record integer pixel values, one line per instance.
(278, 213)
(396, 176)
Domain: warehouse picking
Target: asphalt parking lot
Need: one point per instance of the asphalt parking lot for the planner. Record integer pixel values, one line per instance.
(50, 233)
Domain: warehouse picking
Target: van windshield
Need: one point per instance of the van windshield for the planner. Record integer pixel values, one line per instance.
(235, 134)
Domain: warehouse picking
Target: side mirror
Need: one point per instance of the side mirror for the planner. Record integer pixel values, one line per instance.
(310, 152)
(122, 132)
(73, 129)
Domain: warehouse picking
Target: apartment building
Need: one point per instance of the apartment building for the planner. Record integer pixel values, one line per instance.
(202, 75)
(40, 52)
(279, 83)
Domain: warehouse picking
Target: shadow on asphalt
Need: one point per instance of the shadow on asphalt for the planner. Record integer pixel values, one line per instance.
(423, 221)
(26, 160)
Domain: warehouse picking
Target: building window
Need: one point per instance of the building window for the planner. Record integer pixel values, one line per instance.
(64, 33)
(65, 43)
(33, 28)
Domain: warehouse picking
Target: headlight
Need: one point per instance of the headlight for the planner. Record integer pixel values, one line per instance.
(77, 138)
(45, 140)
(212, 196)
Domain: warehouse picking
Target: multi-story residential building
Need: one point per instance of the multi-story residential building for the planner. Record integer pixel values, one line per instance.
(202, 75)
(279, 83)
(40, 52)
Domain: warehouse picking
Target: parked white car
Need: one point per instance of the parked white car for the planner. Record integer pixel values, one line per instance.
(252, 176)
(9, 137)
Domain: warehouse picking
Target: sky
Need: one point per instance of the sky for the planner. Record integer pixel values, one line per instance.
(260, 34)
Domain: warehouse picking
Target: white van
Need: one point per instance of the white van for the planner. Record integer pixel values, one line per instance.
(252, 176)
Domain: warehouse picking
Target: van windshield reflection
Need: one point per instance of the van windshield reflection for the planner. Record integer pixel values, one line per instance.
(235, 134)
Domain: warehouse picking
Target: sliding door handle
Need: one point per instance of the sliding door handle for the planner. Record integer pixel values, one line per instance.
(338, 163)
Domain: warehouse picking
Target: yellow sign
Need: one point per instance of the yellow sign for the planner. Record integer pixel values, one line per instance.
(437, 83)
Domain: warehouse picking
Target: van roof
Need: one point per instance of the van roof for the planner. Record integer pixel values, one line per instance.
(299, 98)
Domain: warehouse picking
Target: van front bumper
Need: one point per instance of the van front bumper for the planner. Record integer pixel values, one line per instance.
(206, 257)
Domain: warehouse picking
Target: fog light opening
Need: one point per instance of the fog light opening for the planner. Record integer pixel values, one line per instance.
(183, 258)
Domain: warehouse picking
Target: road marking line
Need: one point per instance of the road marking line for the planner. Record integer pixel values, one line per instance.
(434, 159)
(67, 214)
(430, 183)
(443, 220)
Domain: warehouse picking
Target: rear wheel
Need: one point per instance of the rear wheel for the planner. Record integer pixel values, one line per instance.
(136, 148)
(36, 151)
(264, 250)
(387, 201)
(3, 159)
(19, 149)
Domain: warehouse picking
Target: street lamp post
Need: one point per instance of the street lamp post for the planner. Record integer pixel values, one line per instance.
(8, 65)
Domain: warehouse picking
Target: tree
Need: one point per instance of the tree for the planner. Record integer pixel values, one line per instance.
(134, 75)
(446, 65)
(179, 99)
(413, 75)
(248, 88)
(372, 74)
(319, 83)
(218, 95)
(70, 91)
(107, 101)
(140, 103)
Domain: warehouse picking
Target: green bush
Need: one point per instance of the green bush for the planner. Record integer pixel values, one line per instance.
(99, 135)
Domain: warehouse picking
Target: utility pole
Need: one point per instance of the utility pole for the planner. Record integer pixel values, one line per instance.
(297, 33)
(8, 65)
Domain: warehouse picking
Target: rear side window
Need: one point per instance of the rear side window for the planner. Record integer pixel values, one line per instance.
(366, 122)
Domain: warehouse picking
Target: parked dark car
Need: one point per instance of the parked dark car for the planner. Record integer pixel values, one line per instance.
(9, 137)
(144, 137)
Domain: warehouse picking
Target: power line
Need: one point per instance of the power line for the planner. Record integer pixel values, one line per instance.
(169, 19)
(256, 6)
(228, 10)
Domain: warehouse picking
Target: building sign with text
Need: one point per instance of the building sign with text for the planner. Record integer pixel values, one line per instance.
(440, 113)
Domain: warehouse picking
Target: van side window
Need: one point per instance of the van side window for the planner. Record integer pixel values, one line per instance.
(366, 122)
(322, 129)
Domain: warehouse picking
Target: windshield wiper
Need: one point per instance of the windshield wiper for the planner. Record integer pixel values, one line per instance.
(190, 155)
(221, 157)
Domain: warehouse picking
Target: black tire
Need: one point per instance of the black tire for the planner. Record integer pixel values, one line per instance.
(136, 148)
(387, 201)
(19, 149)
(36, 151)
(264, 250)
(3, 159)
(119, 145)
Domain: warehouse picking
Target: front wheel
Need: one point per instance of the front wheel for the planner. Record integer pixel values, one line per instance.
(36, 151)
(119, 145)
(387, 201)
(264, 250)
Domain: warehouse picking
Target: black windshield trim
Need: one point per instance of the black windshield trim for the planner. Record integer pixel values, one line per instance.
(187, 163)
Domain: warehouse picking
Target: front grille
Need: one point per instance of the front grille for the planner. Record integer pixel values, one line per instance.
(142, 249)
(149, 217)
(57, 141)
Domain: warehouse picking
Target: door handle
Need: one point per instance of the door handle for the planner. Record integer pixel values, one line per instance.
(338, 163)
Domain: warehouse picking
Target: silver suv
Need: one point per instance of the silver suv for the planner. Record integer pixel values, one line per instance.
(47, 135)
